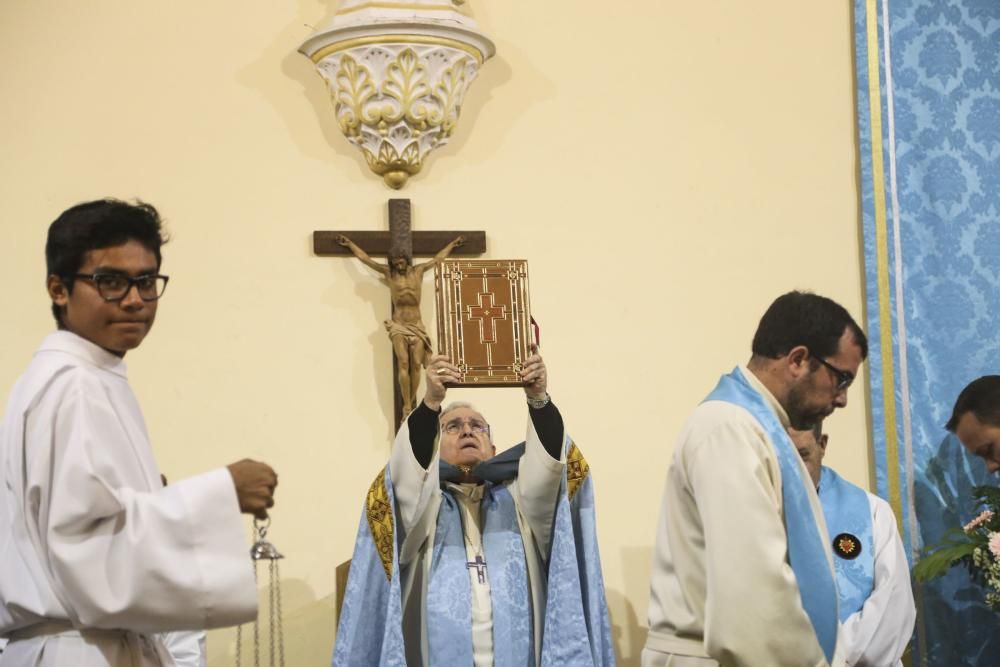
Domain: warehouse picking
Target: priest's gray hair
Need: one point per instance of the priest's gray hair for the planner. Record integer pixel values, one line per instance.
(455, 405)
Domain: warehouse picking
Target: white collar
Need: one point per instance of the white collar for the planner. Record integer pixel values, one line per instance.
(81, 348)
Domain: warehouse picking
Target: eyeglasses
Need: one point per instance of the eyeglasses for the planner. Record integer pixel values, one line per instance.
(116, 286)
(455, 426)
(844, 378)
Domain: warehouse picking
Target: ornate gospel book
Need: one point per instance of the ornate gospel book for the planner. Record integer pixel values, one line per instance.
(484, 319)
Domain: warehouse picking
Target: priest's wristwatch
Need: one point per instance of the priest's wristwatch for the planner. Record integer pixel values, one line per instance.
(539, 403)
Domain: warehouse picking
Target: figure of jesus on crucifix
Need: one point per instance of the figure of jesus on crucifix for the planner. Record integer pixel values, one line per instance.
(406, 330)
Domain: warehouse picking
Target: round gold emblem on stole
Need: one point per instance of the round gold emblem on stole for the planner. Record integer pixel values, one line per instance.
(847, 546)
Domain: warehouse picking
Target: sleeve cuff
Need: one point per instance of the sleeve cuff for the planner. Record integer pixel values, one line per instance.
(221, 553)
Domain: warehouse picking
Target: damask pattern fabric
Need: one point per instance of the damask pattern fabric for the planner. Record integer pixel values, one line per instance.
(928, 77)
(577, 629)
(849, 525)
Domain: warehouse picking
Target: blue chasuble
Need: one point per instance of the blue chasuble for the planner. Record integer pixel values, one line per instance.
(577, 630)
(806, 547)
(576, 627)
(849, 521)
(371, 617)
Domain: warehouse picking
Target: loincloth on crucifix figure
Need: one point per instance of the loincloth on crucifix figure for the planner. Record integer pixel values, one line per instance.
(407, 336)
(412, 346)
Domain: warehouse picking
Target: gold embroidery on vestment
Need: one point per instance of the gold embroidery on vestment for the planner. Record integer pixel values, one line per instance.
(379, 515)
(577, 470)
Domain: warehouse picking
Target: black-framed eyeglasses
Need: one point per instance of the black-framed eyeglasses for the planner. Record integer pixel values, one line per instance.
(115, 286)
(844, 378)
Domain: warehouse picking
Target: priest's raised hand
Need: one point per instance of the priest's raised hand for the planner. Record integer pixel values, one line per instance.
(440, 371)
(535, 377)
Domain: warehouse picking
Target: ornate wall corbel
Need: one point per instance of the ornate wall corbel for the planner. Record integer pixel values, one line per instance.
(397, 74)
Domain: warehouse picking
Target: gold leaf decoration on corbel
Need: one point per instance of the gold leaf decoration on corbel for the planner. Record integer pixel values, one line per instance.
(397, 74)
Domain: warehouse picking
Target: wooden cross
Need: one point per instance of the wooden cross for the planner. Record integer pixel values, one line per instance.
(480, 566)
(399, 241)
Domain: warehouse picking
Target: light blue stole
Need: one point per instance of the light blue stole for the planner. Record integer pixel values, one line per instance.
(846, 509)
(807, 550)
(449, 607)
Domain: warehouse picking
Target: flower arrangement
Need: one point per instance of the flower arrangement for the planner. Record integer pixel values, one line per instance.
(976, 545)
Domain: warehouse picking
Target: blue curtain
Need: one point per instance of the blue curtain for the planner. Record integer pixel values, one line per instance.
(928, 84)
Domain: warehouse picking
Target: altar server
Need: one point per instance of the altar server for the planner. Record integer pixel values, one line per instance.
(97, 555)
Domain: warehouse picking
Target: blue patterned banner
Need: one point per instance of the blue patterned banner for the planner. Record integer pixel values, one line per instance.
(928, 76)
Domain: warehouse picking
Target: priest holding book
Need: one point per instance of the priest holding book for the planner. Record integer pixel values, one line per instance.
(465, 557)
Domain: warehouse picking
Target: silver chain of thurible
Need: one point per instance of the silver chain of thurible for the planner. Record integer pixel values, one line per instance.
(264, 550)
(256, 631)
(274, 600)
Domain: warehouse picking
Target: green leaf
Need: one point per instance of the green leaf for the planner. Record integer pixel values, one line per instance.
(946, 555)
(988, 496)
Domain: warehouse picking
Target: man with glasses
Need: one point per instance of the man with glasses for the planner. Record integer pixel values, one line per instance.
(742, 571)
(97, 553)
(465, 558)
(873, 577)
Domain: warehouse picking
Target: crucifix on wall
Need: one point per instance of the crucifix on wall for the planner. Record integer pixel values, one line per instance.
(410, 343)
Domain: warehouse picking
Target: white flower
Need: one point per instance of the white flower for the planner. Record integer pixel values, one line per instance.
(994, 542)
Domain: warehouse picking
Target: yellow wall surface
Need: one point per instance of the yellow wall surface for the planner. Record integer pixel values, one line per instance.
(667, 168)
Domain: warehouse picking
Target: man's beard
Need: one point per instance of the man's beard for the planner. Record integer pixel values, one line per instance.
(800, 415)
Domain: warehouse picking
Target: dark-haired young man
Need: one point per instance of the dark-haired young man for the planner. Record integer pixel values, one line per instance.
(742, 575)
(975, 419)
(97, 554)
